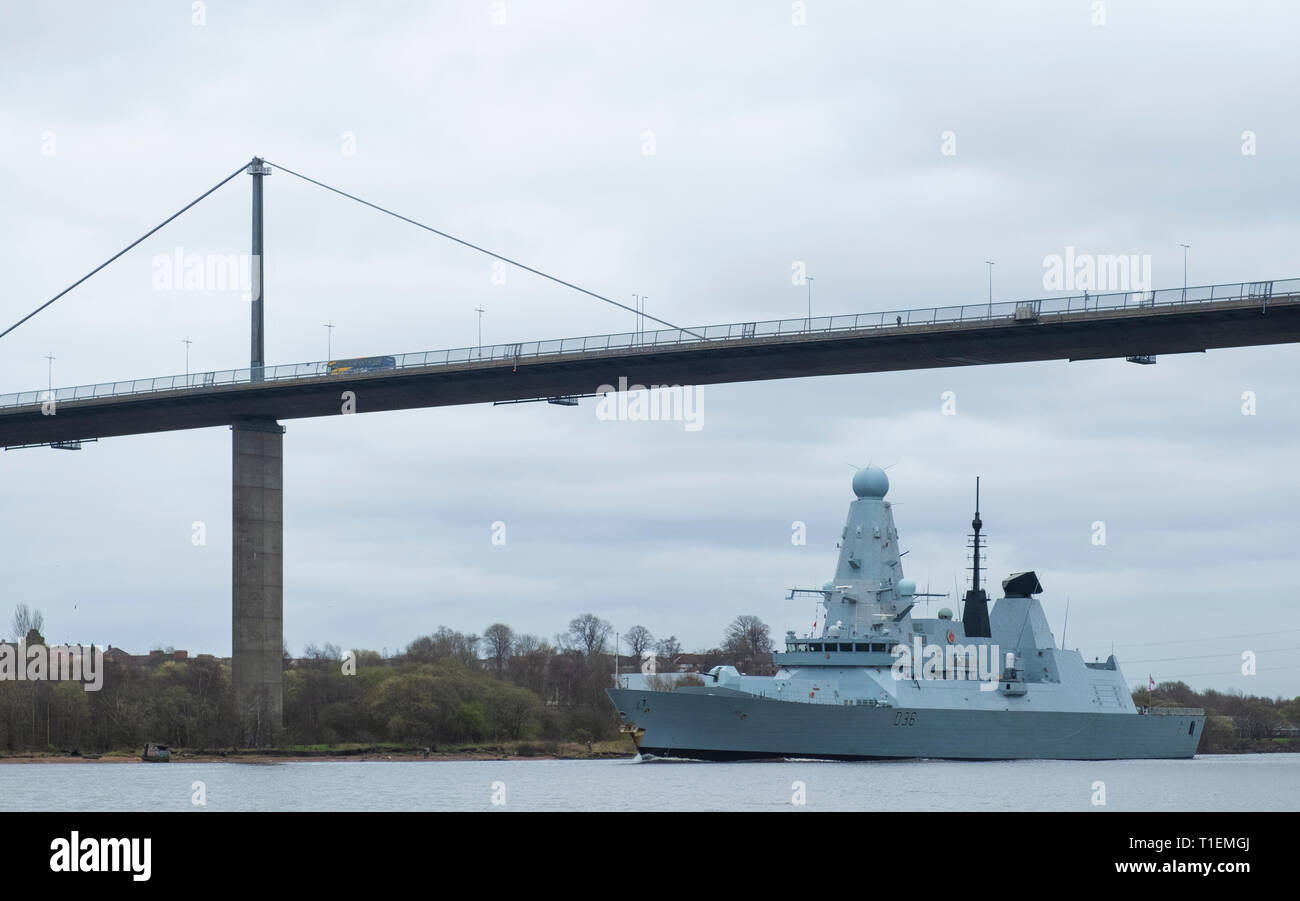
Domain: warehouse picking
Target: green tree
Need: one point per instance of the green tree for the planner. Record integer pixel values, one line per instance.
(442, 644)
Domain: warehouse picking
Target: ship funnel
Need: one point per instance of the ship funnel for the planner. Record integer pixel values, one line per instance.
(975, 613)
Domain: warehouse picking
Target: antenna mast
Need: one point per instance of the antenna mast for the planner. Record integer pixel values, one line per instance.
(1067, 621)
(975, 613)
(976, 524)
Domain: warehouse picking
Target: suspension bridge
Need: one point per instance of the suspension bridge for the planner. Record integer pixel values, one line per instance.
(1134, 325)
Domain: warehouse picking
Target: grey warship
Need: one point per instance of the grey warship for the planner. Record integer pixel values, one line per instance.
(879, 682)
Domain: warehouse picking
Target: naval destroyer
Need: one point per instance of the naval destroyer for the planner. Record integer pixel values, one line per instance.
(879, 681)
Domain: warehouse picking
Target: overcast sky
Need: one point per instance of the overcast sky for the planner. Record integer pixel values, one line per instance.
(693, 153)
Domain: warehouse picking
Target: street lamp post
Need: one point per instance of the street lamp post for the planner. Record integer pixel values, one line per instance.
(808, 324)
(50, 385)
(991, 264)
(480, 312)
(329, 340)
(640, 300)
(187, 342)
(1185, 248)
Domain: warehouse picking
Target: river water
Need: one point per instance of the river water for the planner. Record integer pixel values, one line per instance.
(1211, 782)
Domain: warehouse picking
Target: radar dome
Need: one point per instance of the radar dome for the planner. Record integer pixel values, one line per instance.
(906, 588)
(828, 585)
(870, 481)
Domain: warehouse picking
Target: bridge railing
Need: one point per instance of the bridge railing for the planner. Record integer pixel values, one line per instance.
(1039, 309)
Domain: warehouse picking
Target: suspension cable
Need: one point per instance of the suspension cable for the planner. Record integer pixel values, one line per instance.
(498, 256)
(137, 241)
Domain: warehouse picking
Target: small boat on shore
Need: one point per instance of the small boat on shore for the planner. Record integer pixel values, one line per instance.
(156, 753)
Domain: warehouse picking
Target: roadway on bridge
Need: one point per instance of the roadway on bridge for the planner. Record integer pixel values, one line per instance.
(1015, 333)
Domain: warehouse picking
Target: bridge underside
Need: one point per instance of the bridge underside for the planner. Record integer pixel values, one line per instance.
(1078, 337)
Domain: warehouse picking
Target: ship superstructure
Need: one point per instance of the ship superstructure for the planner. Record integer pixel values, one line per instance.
(879, 681)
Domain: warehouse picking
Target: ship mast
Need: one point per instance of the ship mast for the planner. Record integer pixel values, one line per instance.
(976, 524)
(975, 613)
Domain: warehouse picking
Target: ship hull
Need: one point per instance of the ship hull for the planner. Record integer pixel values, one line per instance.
(719, 724)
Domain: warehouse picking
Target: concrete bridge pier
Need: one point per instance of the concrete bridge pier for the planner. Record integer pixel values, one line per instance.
(258, 578)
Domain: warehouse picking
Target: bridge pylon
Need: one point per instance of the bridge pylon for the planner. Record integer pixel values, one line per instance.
(257, 579)
(257, 522)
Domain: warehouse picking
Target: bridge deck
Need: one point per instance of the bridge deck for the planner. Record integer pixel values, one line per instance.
(1074, 328)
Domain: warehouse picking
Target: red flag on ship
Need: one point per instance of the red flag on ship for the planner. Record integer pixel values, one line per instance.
(1151, 683)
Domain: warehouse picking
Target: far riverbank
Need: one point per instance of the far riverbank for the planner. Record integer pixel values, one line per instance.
(508, 751)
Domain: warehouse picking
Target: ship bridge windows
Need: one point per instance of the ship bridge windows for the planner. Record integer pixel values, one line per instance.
(819, 647)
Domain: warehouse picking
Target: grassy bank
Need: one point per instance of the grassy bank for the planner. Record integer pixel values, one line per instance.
(508, 750)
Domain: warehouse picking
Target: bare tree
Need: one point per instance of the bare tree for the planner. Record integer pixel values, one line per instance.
(639, 640)
(668, 648)
(25, 620)
(747, 638)
(529, 665)
(499, 639)
(588, 633)
(527, 643)
(329, 652)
